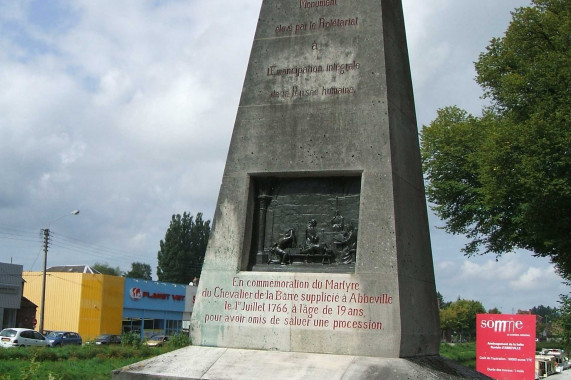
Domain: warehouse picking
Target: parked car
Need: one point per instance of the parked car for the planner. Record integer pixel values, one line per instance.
(108, 339)
(157, 340)
(17, 337)
(60, 338)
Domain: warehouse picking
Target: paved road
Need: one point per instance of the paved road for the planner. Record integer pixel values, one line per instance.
(565, 375)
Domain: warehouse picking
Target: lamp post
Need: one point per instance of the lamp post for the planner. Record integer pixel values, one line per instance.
(46, 232)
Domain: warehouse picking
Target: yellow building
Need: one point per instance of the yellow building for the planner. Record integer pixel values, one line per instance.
(78, 300)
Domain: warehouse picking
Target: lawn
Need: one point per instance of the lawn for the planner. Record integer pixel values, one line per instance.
(70, 363)
(463, 353)
(96, 362)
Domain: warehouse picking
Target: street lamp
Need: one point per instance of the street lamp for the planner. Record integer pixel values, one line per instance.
(46, 232)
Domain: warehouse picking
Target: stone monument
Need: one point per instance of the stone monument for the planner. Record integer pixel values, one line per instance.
(319, 259)
(320, 240)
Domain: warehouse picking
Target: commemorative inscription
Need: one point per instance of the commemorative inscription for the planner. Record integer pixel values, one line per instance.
(321, 23)
(321, 49)
(305, 4)
(321, 304)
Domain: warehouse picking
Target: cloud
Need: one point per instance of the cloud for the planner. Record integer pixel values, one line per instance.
(505, 269)
(124, 112)
(535, 279)
(125, 109)
(515, 281)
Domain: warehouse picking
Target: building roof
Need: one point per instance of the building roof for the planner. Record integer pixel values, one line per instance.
(73, 269)
(27, 303)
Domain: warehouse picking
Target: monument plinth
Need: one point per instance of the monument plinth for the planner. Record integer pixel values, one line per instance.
(320, 239)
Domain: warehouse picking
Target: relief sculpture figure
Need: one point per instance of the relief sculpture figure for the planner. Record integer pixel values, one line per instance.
(313, 246)
(303, 222)
(347, 242)
(338, 222)
(278, 249)
(311, 237)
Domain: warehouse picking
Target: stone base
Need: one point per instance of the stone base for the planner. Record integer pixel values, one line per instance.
(195, 362)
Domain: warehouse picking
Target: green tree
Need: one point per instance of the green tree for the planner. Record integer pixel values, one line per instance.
(546, 316)
(448, 322)
(441, 302)
(564, 320)
(459, 318)
(182, 251)
(140, 270)
(504, 179)
(546, 312)
(107, 269)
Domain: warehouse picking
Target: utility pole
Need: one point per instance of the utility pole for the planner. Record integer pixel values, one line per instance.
(46, 232)
(42, 306)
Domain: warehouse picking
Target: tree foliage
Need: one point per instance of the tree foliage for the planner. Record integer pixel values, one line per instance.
(440, 299)
(107, 269)
(182, 251)
(545, 318)
(504, 179)
(140, 270)
(564, 320)
(459, 318)
(545, 312)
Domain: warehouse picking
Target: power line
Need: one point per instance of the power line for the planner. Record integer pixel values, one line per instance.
(67, 243)
(91, 250)
(97, 248)
(11, 233)
(15, 237)
(94, 254)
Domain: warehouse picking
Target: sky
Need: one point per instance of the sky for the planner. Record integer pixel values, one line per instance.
(124, 110)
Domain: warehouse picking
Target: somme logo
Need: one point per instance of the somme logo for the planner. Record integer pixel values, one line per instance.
(135, 294)
(501, 325)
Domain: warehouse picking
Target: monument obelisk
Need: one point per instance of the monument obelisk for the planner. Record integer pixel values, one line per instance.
(319, 263)
(320, 241)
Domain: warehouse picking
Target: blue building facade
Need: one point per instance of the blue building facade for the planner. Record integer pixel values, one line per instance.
(151, 307)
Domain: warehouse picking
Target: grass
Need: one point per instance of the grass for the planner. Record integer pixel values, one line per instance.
(71, 362)
(79, 362)
(463, 353)
(96, 362)
(64, 370)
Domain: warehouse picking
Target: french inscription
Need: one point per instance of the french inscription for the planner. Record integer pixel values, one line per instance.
(337, 22)
(341, 68)
(321, 23)
(295, 71)
(307, 4)
(299, 92)
(314, 69)
(326, 304)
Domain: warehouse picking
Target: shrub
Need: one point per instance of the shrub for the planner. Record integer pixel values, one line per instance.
(46, 355)
(180, 339)
(131, 339)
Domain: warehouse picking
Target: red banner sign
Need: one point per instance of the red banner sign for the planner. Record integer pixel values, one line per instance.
(505, 346)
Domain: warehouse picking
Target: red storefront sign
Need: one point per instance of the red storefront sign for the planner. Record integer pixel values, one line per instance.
(137, 294)
(505, 346)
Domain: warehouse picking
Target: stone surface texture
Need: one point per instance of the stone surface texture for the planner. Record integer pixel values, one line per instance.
(239, 364)
(341, 106)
